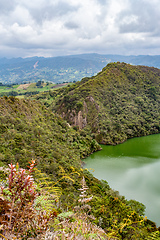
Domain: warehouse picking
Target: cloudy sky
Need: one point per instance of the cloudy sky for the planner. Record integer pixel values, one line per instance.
(64, 27)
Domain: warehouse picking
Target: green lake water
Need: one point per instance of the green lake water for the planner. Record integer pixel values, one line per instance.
(133, 169)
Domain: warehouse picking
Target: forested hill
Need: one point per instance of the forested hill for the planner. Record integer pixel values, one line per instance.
(120, 102)
(28, 130)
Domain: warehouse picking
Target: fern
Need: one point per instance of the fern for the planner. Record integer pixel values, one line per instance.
(154, 236)
(44, 202)
(50, 193)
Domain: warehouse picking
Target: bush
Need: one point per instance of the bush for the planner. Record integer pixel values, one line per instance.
(17, 214)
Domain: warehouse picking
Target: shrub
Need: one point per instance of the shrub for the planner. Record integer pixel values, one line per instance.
(17, 214)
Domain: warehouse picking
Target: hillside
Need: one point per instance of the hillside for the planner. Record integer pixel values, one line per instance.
(120, 102)
(29, 130)
(65, 68)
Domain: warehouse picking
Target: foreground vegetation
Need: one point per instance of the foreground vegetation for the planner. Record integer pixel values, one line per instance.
(29, 130)
(23, 215)
(28, 211)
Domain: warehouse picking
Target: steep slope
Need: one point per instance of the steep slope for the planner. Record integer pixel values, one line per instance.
(120, 102)
(28, 130)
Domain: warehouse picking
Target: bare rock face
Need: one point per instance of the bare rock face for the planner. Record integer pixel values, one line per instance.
(80, 119)
(77, 119)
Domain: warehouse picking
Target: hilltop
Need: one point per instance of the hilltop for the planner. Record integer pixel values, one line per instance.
(120, 102)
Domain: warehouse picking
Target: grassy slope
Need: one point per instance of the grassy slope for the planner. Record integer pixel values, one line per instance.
(120, 102)
(29, 130)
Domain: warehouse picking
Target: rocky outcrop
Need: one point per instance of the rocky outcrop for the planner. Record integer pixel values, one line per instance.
(80, 118)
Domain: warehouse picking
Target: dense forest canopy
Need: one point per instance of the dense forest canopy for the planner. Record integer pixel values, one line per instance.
(59, 128)
(120, 102)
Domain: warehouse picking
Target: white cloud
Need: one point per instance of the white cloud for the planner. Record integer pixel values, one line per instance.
(59, 27)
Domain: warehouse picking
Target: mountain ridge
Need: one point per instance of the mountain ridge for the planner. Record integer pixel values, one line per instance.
(65, 68)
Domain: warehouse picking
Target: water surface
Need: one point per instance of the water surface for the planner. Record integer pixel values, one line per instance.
(132, 168)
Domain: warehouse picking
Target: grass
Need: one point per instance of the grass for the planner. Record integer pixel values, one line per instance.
(8, 89)
(22, 89)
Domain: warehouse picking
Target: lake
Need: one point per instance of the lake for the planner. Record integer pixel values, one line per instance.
(133, 169)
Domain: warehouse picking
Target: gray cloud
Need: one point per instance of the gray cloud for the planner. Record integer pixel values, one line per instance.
(71, 25)
(51, 11)
(102, 2)
(7, 6)
(58, 27)
(142, 17)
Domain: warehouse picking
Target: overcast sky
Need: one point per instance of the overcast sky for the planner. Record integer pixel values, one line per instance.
(64, 27)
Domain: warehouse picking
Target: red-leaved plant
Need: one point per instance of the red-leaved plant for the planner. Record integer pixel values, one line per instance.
(20, 217)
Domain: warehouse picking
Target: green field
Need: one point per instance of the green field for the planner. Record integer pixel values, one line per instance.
(28, 89)
(7, 89)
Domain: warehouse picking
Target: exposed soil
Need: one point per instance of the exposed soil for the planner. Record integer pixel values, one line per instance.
(24, 86)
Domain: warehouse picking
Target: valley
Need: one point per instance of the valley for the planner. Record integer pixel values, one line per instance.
(28, 89)
(71, 68)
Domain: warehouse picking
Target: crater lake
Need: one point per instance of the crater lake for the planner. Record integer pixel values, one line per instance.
(133, 169)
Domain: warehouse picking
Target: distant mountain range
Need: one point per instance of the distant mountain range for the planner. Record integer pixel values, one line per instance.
(65, 68)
